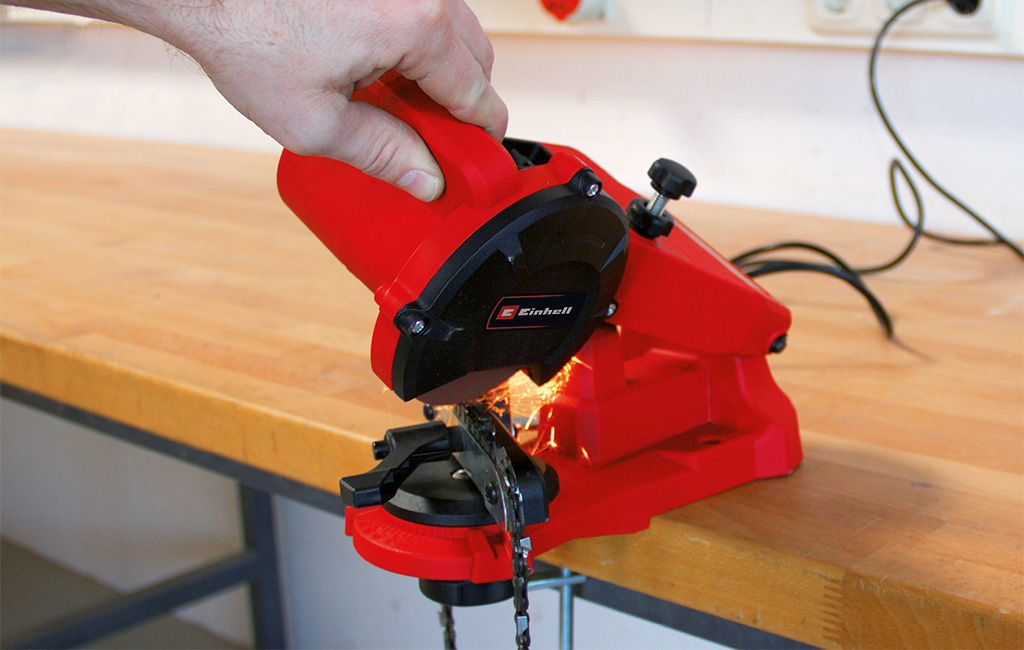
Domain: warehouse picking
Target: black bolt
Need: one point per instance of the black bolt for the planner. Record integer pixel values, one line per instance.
(778, 345)
(381, 448)
(586, 182)
(429, 412)
(412, 323)
(491, 493)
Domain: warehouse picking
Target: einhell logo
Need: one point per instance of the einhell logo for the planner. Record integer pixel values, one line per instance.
(548, 311)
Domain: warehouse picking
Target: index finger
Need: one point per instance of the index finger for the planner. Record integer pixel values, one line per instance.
(467, 26)
(446, 69)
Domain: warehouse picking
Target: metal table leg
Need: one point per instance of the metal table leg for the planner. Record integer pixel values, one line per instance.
(264, 588)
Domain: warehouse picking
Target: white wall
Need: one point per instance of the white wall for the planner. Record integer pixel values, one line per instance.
(779, 127)
(775, 127)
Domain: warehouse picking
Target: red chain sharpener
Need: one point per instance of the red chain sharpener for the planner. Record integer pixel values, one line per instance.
(525, 261)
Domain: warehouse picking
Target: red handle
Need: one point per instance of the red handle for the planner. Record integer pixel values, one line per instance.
(477, 169)
(373, 227)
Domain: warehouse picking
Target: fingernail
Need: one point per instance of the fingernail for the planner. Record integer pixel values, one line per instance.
(424, 186)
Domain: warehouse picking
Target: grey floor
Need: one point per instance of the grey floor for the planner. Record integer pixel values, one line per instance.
(34, 591)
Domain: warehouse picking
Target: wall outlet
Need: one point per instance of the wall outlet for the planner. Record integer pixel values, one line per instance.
(932, 19)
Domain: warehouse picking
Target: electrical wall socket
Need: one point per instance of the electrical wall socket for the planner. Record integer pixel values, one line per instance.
(996, 29)
(932, 19)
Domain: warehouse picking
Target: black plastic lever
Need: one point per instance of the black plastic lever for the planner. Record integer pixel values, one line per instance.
(401, 451)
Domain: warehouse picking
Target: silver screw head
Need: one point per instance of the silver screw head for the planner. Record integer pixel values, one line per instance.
(592, 190)
(417, 326)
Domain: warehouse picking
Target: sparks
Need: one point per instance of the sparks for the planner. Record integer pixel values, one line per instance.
(526, 401)
(547, 443)
(586, 456)
(498, 398)
(530, 398)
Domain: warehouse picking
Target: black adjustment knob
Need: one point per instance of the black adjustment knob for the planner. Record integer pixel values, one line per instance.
(670, 181)
(965, 6)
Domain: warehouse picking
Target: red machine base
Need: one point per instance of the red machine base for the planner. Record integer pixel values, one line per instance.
(744, 428)
(619, 498)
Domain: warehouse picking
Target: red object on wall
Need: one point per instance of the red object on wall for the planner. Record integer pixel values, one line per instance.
(561, 9)
(672, 401)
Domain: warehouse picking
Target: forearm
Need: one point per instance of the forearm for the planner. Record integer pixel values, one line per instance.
(165, 20)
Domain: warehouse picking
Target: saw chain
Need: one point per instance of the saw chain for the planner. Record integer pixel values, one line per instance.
(482, 424)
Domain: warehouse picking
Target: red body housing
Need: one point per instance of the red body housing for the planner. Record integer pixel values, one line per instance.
(673, 400)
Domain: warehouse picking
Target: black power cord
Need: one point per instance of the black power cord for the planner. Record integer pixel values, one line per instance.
(963, 7)
(757, 262)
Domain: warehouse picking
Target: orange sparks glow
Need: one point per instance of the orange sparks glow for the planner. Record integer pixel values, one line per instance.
(547, 443)
(497, 399)
(526, 400)
(551, 438)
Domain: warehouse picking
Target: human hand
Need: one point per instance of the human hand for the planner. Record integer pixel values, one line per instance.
(291, 68)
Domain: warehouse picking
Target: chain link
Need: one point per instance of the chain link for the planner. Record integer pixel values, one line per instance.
(515, 519)
(521, 548)
(448, 623)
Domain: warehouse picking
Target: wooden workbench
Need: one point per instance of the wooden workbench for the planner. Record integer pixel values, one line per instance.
(168, 288)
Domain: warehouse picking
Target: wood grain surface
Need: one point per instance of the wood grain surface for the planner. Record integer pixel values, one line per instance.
(169, 288)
